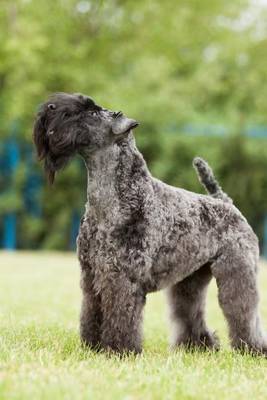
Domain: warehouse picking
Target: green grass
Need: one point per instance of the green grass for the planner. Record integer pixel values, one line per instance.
(41, 356)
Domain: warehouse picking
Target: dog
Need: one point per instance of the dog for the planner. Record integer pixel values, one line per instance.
(139, 235)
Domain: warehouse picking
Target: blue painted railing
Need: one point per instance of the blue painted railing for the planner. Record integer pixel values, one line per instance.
(11, 152)
(257, 132)
(10, 155)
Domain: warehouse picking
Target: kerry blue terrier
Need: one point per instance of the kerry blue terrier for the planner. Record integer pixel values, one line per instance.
(139, 235)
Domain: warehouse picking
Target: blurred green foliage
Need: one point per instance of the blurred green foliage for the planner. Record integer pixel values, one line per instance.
(163, 63)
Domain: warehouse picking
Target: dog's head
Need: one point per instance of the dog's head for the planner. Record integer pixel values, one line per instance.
(72, 123)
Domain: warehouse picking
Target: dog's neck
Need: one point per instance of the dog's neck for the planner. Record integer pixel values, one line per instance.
(114, 173)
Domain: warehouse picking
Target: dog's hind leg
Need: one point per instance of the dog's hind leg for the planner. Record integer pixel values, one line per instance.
(187, 301)
(91, 314)
(236, 275)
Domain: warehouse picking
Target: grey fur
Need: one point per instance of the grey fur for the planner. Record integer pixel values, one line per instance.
(139, 235)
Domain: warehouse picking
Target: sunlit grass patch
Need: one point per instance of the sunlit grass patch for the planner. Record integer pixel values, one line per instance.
(41, 356)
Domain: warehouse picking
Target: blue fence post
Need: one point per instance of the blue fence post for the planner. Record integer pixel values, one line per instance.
(10, 219)
(265, 237)
(75, 224)
(10, 234)
(32, 187)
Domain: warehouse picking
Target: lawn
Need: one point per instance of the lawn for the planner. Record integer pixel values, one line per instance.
(41, 356)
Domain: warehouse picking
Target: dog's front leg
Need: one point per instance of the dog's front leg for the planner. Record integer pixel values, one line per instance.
(122, 302)
(91, 313)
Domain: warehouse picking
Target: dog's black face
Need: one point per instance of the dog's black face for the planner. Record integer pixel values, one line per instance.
(73, 123)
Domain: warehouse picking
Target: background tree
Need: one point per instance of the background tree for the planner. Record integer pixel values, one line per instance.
(168, 64)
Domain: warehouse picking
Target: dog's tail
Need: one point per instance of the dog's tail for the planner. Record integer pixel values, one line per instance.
(208, 180)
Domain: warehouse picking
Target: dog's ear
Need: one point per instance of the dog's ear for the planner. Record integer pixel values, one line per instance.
(39, 136)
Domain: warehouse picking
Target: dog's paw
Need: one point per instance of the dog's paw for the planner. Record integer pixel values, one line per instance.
(209, 340)
(202, 341)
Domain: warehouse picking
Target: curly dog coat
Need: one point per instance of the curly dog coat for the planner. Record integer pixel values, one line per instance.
(139, 235)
